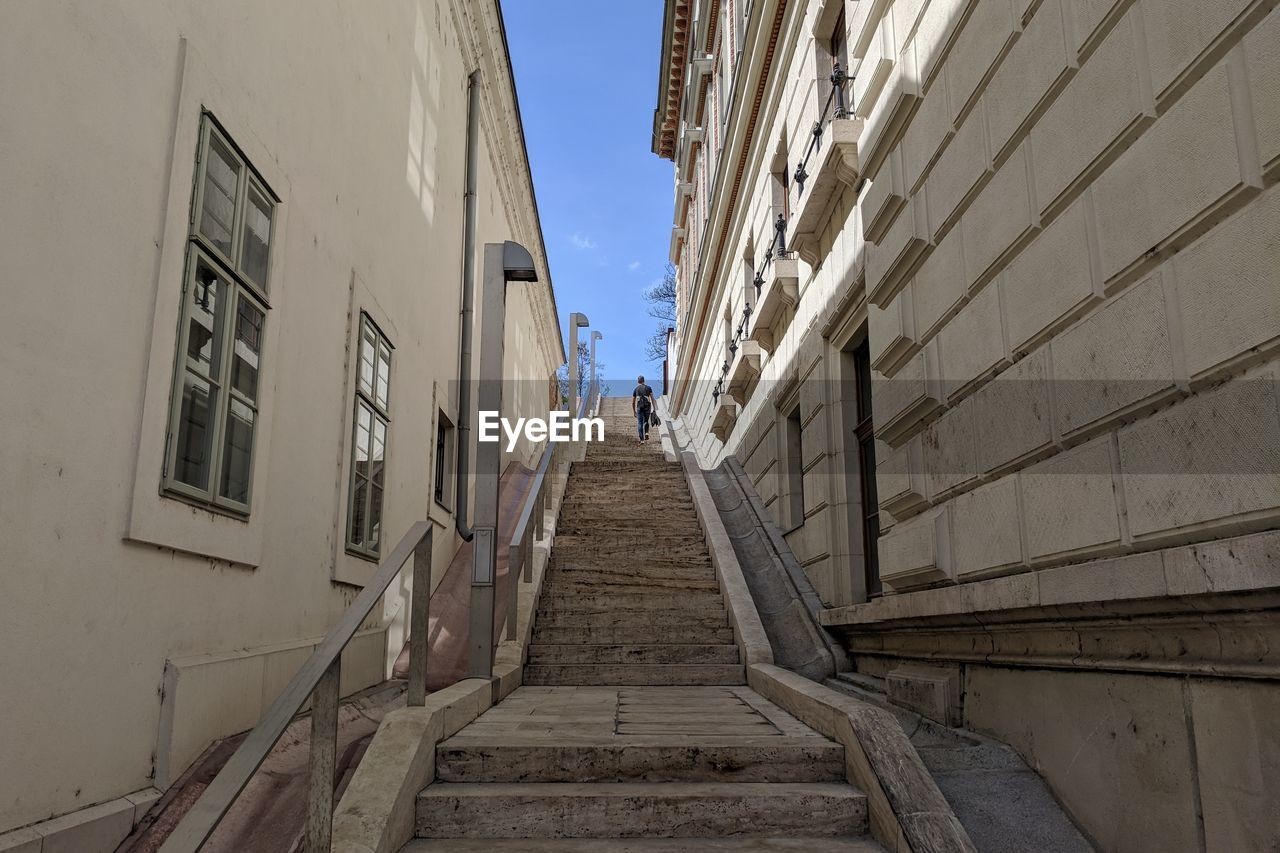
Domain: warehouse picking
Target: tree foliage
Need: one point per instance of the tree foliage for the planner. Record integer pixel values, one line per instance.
(584, 375)
(662, 307)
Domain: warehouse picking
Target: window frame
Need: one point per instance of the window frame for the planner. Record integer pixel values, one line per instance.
(864, 435)
(379, 411)
(237, 285)
(444, 463)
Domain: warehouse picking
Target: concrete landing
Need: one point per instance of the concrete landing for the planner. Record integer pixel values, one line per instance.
(643, 845)
(675, 768)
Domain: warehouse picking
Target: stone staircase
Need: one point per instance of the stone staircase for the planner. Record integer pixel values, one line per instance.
(630, 595)
(635, 730)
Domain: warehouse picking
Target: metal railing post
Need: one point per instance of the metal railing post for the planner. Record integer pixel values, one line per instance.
(420, 619)
(324, 750)
(514, 559)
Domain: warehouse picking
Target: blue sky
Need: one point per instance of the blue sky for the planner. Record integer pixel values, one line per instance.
(587, 76)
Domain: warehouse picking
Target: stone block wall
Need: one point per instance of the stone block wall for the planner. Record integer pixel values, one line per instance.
(1063, 248)
(1096, 179)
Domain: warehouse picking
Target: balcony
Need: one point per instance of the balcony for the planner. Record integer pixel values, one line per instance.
(780, 289)
(830, 162)
(677, 237)
(689, 138)
(745, 373)
(724, 416)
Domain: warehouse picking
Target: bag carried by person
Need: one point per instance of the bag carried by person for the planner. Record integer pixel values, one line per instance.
(654, 420)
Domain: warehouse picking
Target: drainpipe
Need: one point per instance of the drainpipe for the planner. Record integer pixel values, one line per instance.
(462, 498)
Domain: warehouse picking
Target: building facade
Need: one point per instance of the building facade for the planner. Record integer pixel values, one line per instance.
(985, 297)
(233, 261)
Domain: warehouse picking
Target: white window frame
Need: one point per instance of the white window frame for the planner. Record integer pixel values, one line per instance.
(238, 286)
(376, 400)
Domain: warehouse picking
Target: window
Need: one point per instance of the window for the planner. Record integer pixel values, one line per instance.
(839, 57)
(444, 460)
(214, 403)
(864, 434)
(369, 441)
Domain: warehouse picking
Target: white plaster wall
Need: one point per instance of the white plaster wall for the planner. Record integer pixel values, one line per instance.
(356, 116)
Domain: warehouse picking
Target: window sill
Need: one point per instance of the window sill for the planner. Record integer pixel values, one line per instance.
(212, 509)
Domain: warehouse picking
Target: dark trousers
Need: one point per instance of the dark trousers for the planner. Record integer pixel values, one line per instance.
(642, 425)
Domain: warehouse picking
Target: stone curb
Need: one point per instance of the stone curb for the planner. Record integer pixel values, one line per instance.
(908, 812)
(748, 630)
(378, 810)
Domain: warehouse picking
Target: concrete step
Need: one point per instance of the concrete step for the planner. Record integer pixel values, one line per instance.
(631, 538)
(656, 758)
(639, 809)
(583, 583)
(603, 599)
(629, 634)
(644, 653)
(613, 674)
(630, 618)
(660, 564)
(645, 845)
(620, 554)
(614, 497)
(676, 522)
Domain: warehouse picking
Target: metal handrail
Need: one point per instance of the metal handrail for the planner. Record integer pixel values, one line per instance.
(320, 675)
(531, 522)
(836, 96)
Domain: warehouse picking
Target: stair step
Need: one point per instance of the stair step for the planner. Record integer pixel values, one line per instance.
(654, 529)
(615, 585)
(656, 564)
(589, 674)
(611, 618)
(639, 809)
(604, 599)
(615, 653)
(645, 845)
(728, 759)
(628, 635)
(631, 538)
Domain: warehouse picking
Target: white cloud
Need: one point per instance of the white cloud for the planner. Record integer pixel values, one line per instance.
(633, 266)
(581, 242)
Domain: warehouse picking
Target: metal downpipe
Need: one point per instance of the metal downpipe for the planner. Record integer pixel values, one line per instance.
(462, 497)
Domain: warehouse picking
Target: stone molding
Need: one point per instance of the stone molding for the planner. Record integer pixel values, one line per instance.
(908, 812)
(748, 630)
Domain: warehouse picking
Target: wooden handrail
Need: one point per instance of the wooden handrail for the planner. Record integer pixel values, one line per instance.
(319, 675)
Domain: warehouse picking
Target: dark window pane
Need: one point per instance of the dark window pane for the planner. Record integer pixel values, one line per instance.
(375, 519)
(247, 349)
(377, 456)
(195, 431)
(204, 321)
(237, 453)
(218, 207)
(440, 447)
(257, 237)
(359, 499)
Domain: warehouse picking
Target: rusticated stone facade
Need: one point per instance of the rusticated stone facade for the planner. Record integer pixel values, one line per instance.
(1042, 240)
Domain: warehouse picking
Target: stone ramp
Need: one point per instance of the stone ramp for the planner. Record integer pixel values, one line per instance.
(647, 768)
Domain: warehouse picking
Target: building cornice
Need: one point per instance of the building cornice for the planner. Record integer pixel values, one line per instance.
(671, 75)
